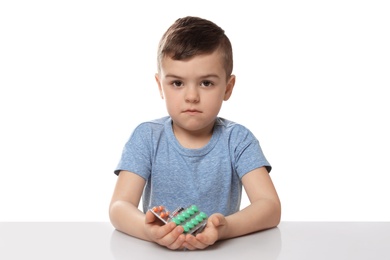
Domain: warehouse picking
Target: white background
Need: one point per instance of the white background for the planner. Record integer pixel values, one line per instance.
(313, 82)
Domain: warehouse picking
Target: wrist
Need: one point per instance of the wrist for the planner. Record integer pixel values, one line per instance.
(223, 232)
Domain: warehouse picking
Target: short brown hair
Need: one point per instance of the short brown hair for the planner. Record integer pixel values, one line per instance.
(191, 36)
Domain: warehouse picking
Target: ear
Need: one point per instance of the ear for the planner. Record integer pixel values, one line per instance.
(157, 78)
(229, 87)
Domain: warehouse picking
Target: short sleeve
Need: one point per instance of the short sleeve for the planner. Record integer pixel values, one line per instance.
(136, 154)
(248, 154)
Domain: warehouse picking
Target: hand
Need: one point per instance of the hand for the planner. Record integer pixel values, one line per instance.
(216, 224)
(169, 235)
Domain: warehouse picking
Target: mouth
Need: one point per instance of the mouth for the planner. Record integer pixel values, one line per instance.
(191, 111)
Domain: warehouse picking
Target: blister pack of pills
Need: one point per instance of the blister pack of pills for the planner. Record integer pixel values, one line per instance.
(191, 219)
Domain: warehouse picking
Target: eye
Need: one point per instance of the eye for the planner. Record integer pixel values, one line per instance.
(177, 83)
(207, 83)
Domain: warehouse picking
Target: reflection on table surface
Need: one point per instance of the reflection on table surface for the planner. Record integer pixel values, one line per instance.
(290, 240)
(263, 245)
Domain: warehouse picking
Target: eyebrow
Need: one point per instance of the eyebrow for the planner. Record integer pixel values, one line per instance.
(202, 77)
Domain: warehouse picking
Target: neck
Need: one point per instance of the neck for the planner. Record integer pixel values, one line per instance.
(193, 139)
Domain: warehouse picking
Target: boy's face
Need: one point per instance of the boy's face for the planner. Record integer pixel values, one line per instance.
(194, 90)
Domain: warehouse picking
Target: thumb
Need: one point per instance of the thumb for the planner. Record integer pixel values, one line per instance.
(149, 217)
(217, 220)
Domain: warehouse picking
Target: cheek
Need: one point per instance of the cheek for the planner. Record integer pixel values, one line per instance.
(170, 98)
(171, 102)
(213, 103)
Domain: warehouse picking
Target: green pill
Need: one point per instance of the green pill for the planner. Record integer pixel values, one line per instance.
(190, 225)
(194, 221)
(181, 218)
(194, 208)
(203, 215)
(186, 215)
(186, 229)
(199, 218)
(176, 220)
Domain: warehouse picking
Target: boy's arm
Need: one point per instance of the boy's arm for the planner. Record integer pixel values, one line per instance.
(126, 217)
(264, 210)
(124, 213)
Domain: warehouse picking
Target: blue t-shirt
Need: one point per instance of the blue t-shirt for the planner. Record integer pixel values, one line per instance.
(209, 177)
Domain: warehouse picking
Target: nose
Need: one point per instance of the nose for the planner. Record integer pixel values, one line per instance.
(192, 94)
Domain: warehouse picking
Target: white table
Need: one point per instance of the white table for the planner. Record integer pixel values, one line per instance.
(290, 240)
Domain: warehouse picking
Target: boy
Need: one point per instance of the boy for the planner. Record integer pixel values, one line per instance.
(192, 156)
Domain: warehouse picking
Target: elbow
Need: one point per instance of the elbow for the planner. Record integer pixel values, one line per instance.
(277, 213)
(274, 214)
(113, 212)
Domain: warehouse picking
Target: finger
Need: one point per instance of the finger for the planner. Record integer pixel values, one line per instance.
(172, 239)
(187, 246)
(150, 217)
(162, 231)
(178, 243)
(217, 220)
(193, 243)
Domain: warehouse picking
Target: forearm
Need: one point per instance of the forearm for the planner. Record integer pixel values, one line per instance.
(259, 215)
(126, 218)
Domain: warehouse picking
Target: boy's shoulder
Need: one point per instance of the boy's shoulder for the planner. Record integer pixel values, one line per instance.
(149, 130)
(236, 132)
(229, 125)
(150, 127)
(154, 123)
